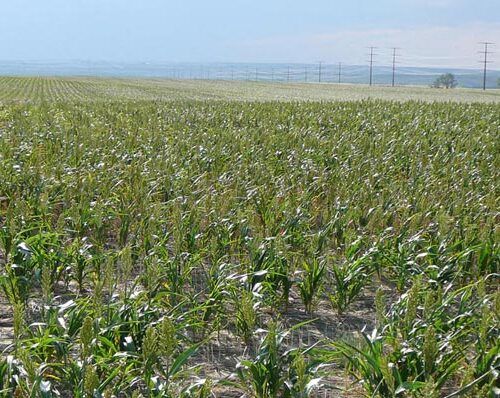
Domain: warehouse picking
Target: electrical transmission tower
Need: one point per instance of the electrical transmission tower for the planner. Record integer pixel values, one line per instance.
(394, 55)
(485, 61)
(371, 63)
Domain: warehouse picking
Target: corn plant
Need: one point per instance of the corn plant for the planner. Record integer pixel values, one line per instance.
(275, 371)
(246, 317)
(397, 373)
(348, 279)
(312, 282)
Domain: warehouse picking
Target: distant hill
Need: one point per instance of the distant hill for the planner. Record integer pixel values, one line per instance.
(405, 75)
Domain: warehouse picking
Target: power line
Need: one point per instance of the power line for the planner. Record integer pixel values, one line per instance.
(394, 55)
(371, 63)
(339, 72)
(485, 61)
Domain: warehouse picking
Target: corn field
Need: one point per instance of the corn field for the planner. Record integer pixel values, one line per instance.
(89, 89)
(198, 248)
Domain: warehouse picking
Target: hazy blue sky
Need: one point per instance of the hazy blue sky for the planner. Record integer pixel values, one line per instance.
(430, 32)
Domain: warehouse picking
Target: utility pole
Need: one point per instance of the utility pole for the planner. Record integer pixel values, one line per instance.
(394, 55)
(485, 61)
(371, 63)
(305, 73)
(288, 76)
(256, 74)
(340, 70)
(319, 71)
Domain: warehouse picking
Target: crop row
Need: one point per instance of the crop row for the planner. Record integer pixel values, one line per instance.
(92, 89)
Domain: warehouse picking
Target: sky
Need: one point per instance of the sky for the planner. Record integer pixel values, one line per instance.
(428, 32)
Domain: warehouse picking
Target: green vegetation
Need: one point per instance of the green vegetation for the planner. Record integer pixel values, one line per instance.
(446, 80)
(201, 248)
